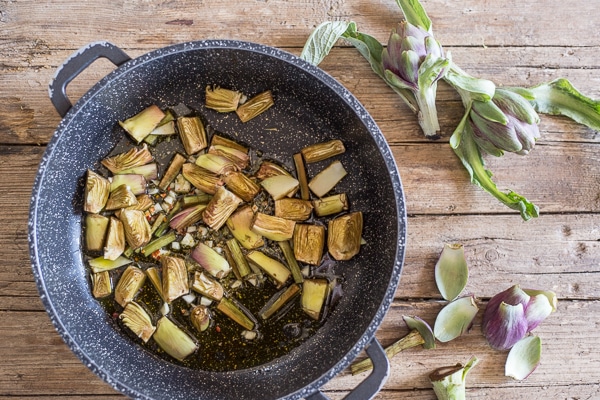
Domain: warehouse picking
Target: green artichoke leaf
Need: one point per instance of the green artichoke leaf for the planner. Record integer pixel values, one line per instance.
(560, 97)
(415, 13)
(490, 111)
(469, 154)
(467, 85)
(367, 46)
(321, 41)
(431, 68)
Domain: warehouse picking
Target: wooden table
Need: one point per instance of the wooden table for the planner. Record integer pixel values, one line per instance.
(507, 41)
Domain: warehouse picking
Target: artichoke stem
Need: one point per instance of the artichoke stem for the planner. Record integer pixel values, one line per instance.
(427, 115)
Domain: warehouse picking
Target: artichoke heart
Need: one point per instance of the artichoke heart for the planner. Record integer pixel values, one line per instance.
(344, 235)
(130, 159)
(274, 268)
(326, 180)
(97, 189)
(236, 313)
(137, 319)
(331, 205)
(137, 229)
(314, 296)
(115, 240)
(215, 163)
(172, 171)
(294, 209)
(240, 226)
(101, 284)
(280, 186)
(255, 106)
(173, 340)
(242, 186)
(309, 241)
(174, 278)
(142, 124)
(121, 197)
(210, 260)
(200, 318)
(322, 151)
(192, 134)
(239, 158)
(222, 100)
(268, 169)
(200, 178)
(273, 228)
(207, 287)
(220, 207)
(129, 285)
(96, 226)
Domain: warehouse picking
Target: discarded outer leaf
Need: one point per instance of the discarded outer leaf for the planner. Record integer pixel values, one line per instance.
(451, 271)
(455, 319)
(423, 328)
(523, 358)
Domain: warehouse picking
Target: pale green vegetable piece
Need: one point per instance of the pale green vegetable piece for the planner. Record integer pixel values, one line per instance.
(449, 383)
(451, 271)
(174, 341)
(455, 319)
(523, 358)
(423, 328)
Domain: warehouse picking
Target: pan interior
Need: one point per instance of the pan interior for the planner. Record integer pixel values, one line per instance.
(310, 107)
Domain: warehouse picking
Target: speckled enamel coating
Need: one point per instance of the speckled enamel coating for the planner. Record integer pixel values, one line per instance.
(310, 107)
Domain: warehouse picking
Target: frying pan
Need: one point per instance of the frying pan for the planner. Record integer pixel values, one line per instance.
(310, 107)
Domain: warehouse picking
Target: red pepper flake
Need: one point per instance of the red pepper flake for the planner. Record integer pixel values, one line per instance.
(156, 254)
(218, 328)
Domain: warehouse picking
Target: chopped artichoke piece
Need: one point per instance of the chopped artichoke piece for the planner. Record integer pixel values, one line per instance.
(144, 202)
(174, 278)
(268, 169)
(239, 260)
(240, 226)
(115, 240)
(218, 140)
(187, 217)
(130, 159)
(200, 318)
(129, 285)
(326, 180)
(219, 209)
(172, 171)
(222, 100)
(239, 158)
(207, 287)
(273, 228)
(159, 243)
(280, 186)
(242, 186)
(216, 164)
(101, 284)
(255, 106)
(233, 311)
(181, 185)
(121, 197)
(101, 264)
(136, 183)
(154, 275)
(279, 300)
(192, 134)
(142, 124)
(314, 296)
(210, 260)
(331, 205)
(294, 209)
(194, 200)
(201, 178)
(173, 340)
(97, 189)
(148, 171)
(96, 226)
(344, 235)
(137, 228)
(137, 319)
(302, 177)
(292, 263)
(309, 241)
(164, 129)
(322, 151)
(272, 267)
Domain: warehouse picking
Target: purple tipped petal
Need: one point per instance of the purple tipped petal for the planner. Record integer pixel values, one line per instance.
(537, 310)
(505, 325)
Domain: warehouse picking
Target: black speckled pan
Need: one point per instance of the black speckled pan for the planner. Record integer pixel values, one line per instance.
(310, 107)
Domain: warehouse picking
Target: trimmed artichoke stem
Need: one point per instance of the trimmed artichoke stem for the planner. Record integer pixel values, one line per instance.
(428, 119)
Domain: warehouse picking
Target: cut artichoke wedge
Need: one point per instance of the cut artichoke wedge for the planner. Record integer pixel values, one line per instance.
(330, 205)
(135, 183)
(239, 158)
(255, 106)
(272, 267)
(309, 241)
(240, 225)
(115, 240)
(192, 134)
(314, 296)
(280, 186)
(322, 151)
(327, 179)
(172, 171)
(96, 226)
(215, 163)
(138, 321)
(142, 124)
(200, 318)
(210, 260)
(174, 278)
(121, 197)
(272, 227)
(133, 158)
(344, 236)
(222, 100)
(268, 169)
(207, 287)
(136, 226)
(100, 264)
(97, 189)
(294, 209)
(173, 340)
(101, 284)
(219, 209)
(242, 186)
(129, 285)
(200, 178)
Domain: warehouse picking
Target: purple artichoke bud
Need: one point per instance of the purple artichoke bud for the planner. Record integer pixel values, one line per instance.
(512, 314)
(507, 123)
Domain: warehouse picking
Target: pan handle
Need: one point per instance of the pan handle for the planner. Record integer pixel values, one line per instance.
(368, 388)
(75, 64)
